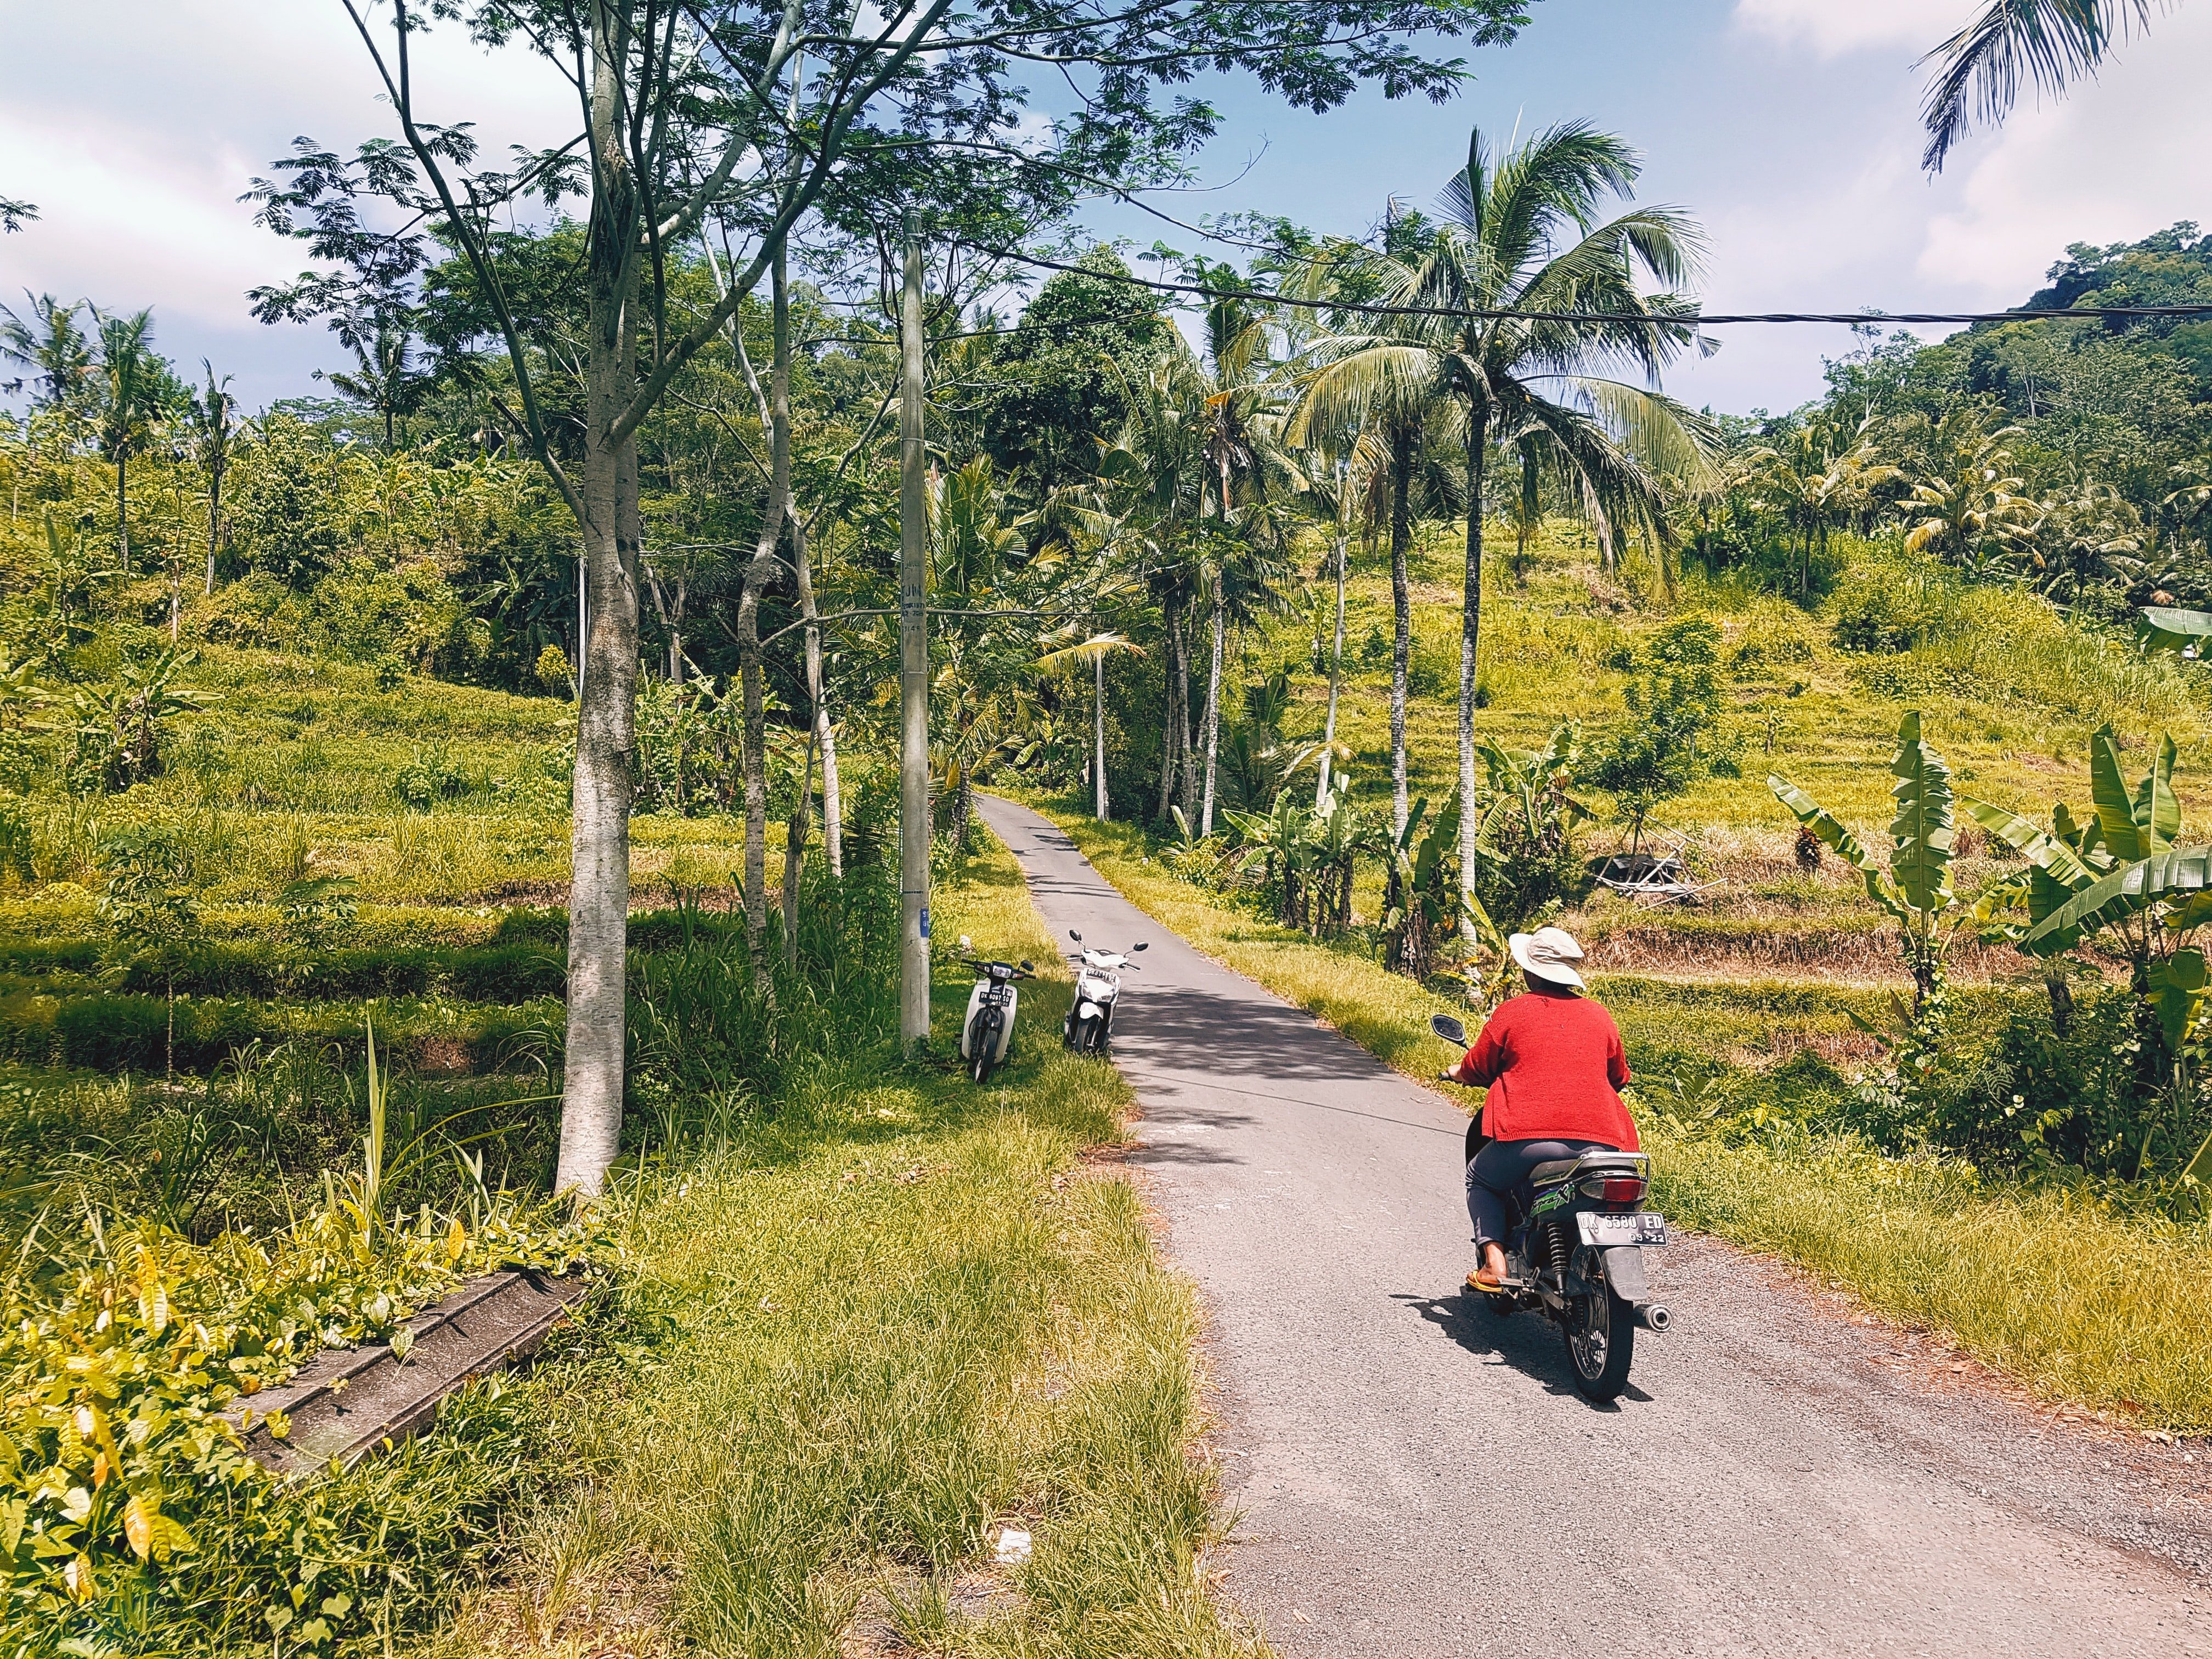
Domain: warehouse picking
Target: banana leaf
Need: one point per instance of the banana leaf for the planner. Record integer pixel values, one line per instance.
(2050, 855)
(2177, 991)
(2157, 808)
(1921, 835)
(2116, 807)
(2128, 890)
(1840, 841)
(2169, 630)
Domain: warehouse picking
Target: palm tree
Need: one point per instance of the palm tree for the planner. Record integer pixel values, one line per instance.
(137, 389)
(1813, 481)
(387, 381)
(50, 341)
(1155, 476)
(212, 412)
(1515, 331)
(1970, 511)
(2045, 43)
(1338, 407)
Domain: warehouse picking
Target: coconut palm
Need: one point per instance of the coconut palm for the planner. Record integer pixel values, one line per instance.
(1968, 510)
(212, 414)
(2047, 44)
(1334, 412)
(49, 341)
(136, 390)
(1523, 303)
(1814, 479)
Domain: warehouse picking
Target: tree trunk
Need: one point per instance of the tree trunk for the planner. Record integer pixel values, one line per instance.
(794, 859)
(606, 700)
(1184, 742)
(825, 738)
(1173, 619)
(1402, 613)
(913, 663)
(1336, 676)
(1470, 634)
(215, 518)
(123, 512)
(1212, 717)
(1098, 739)
(758, 575)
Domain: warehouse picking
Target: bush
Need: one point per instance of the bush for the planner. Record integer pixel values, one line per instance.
(1882, 609)
(2042, 1095)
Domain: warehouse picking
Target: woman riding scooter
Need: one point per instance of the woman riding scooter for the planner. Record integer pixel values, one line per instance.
(1552, 1062)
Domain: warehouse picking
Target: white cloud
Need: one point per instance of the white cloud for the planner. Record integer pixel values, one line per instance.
(2121, 157)
(1832, 27)
(144, 124)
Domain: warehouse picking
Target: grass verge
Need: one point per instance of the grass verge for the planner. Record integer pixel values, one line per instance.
(2062, 1289)
(869, 1333)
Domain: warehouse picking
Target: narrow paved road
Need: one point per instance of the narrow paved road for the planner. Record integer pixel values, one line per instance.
(1417, 1478)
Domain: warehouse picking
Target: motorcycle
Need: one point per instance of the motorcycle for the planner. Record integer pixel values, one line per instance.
(1576, 1230)
(1089, 1023)
(987, 1031)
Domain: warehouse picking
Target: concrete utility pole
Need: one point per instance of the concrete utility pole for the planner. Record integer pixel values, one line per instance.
(914, 669)
(1098, 734)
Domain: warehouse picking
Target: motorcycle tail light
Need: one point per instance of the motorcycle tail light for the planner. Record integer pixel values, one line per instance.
(1622, 1189)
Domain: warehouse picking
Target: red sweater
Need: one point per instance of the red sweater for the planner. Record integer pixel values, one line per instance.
(1554, 1068)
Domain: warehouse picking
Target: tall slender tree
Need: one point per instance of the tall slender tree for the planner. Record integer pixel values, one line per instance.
(1522, 303)
(136, 390)
(212, 412)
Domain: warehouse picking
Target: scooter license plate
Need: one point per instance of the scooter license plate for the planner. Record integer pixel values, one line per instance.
(1606, 1231)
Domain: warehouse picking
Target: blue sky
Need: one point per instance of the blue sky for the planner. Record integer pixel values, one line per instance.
(1787, 126)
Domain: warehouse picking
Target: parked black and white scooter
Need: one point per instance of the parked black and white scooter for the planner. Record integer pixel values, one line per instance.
(987, 1032)
(1089, 1023)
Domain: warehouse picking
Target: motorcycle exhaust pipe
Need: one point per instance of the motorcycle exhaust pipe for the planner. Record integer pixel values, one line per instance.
(1653, 1317)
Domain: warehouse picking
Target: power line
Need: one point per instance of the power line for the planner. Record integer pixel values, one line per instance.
(1630, 319)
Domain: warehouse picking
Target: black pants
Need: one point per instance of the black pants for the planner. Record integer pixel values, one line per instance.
(1503, 1165)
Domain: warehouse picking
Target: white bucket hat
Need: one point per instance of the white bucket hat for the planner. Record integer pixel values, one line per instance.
(1548, 953)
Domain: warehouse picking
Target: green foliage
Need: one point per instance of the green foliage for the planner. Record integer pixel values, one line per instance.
(1674, 736)
(1530, 863)
(127, 1497)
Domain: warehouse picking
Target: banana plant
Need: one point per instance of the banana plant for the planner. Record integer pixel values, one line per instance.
(2115, 882)
(1916, 889)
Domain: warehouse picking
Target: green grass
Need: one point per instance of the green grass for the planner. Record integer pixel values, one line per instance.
(2076, 1297)
(901, 1313)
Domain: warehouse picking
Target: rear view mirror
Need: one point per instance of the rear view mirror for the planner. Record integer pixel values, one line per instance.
(1029, 967)
(1135, 948)
(1077, 937)
(1449, 1029)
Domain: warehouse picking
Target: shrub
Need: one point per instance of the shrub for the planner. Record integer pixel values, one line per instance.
(1883, 609)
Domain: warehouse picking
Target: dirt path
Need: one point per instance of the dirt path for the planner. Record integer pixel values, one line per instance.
(1417, 1478)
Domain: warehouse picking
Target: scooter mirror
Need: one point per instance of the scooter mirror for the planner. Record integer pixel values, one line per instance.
(1077, 937)
(1029, 967)
(1449, 1029)
(1135, 948)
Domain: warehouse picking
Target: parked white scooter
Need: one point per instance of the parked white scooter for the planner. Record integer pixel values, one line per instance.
(987, 1032)
(1089, 1021)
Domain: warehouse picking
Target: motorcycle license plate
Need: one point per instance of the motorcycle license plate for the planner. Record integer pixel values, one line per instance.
(1606, 1231)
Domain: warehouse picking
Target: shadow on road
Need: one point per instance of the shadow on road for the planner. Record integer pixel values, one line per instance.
(1205, 1032)
(1528, 1344)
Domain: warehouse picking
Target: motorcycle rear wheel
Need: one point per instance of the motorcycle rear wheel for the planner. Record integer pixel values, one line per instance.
(1600, 1332)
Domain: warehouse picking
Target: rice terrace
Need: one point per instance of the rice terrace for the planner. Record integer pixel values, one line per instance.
(1105, 830)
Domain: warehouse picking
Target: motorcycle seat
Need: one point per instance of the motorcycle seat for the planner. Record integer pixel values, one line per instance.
(1564, 1169)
